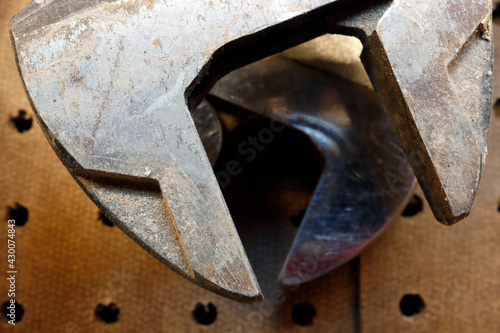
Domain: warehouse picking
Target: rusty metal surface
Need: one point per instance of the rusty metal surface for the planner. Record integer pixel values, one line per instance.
(126, 115)
(355, 196)
(116, 108)
(431, 63)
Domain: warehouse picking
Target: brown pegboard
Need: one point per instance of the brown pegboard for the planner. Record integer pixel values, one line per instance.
(456, 270)
(69, 261)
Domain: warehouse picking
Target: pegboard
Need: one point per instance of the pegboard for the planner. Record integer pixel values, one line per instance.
(77, 273)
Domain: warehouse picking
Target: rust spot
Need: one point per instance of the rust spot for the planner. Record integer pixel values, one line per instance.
(63, 89)
(133, 7)
(157, 42)
(77, 78)
(207, 233)
(130, 7)
(485, 30)
(89, 142)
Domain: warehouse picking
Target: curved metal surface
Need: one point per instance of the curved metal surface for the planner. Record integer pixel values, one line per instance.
(366, 177)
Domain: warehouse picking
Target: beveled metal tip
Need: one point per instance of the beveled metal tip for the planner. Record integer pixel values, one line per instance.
(431, 64)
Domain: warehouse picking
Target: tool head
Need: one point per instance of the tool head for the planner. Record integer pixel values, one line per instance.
(113, 81)
(431, 63)
(110, 82)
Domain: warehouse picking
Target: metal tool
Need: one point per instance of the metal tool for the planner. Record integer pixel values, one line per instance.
(355, 197)
(113, 83)
(431, 64)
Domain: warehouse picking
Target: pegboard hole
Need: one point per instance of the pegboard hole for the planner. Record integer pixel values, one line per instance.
(415, 206)
(107, 313)
(22, 122)
(105, 220)
(303, 314)
(496, 108)
(19, 213)
(204, 315)
(297, 219)
(496, 12)
(411, 305)
(18, 311)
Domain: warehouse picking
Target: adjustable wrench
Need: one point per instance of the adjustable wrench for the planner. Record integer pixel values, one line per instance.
(113, 81)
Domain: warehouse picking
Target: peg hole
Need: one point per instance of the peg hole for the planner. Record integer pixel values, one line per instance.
(17, 311)
(105, 220)
(414, 206)
(303, 314)
(107, 313)
(22, 122)
(205, 315)
(411, 305)
(19, 213)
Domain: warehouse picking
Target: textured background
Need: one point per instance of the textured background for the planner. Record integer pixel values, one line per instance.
(68, 261)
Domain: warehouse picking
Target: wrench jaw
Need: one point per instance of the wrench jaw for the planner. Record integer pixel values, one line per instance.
(146, 168)
(139, 209)
(438, 184)
(440, 131)
(212, 248)
(418, 55)
(112, 94)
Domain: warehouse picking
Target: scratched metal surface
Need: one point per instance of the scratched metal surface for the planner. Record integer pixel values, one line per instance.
(419, 66)
(353, 200)
(70, 261)
(126, 117)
